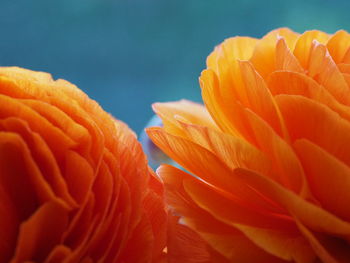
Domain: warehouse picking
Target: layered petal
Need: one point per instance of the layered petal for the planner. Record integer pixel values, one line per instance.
(74, 182)
(269, 181)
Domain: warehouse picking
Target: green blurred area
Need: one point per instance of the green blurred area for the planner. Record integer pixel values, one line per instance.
(128, 54)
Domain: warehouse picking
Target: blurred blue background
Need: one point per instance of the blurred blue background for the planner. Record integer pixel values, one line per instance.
(127, 54)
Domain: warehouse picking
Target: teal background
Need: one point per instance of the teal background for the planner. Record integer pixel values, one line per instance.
(128, 54)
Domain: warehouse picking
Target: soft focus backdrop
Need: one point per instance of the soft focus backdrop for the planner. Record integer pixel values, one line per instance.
(127, 54)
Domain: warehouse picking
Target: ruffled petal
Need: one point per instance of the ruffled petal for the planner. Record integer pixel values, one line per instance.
(323, 69)
(288, 169)
(41, 232)
(285, 59)
(303, 45)
(260, 99)
(9, 226)
(303, 210)
(185, 245)
(292, 83)
(329, 250)
(286, 245)
(264, 56)
(210, 168)
(43, 158)
(225, 239)
(338, 45)
(224, 61)
(329, 179)
(232, 49)
(231, 211)
(234, 152)
(304, 116)
(228, 115)
(188, 111)
(58, 254)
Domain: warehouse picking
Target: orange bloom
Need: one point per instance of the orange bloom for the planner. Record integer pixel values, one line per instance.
(74, 182)
(270, 151)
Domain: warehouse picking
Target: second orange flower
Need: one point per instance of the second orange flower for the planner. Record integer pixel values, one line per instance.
(268, 156)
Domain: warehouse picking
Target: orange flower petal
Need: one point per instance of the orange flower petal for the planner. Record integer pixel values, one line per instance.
(230, 211)
(178, 198)
(189, 112)
(304, 116)
(58, 254)
(347, 78)
(346, 58)
(303, 45)
(228, 115)
(323, 69)
(51, 134)
(232, 49)
(42, 156)
(305, 211)
(8, 225)
(318, 247)
(287, 245)
(141, 241)
(289, 171)
(106, 191)
(41, 232)
(223, 238)
(344, 68)
(331, 191)
(293, 83)
(338, 45)
(52, 95)
(182, 151)
(21, 175)
(58, 118)
(234, 152)
(157, 218)
(224, 61)
(185, 245)
(79, 230)
(264, 56)
(238, 248)
(285, 59)
(79, 176)
(260, 99)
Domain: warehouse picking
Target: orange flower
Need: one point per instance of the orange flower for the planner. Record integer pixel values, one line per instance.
(271, 158)
(74, 182)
